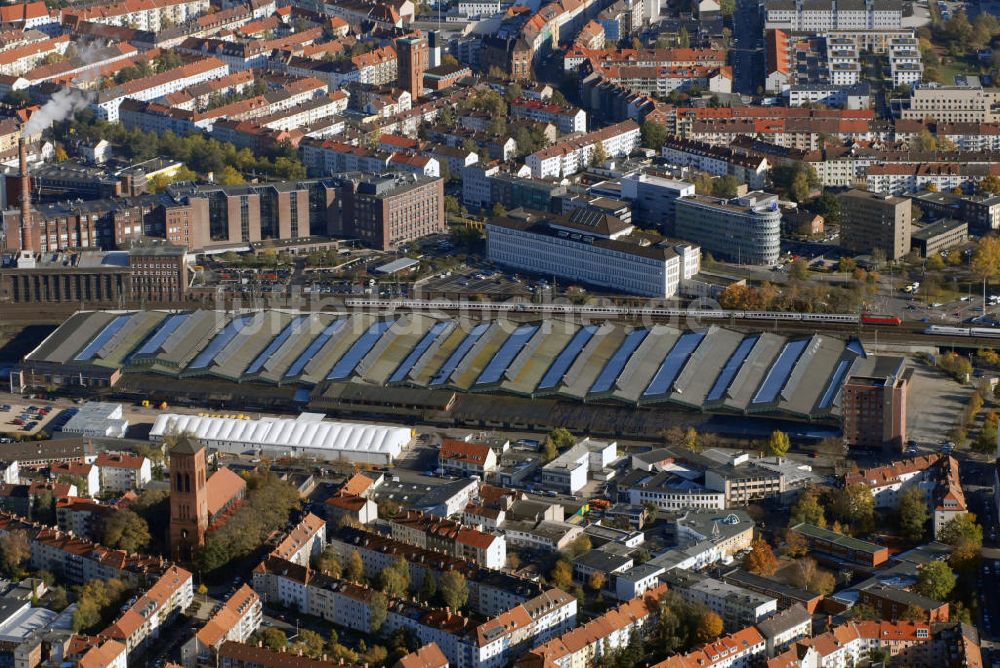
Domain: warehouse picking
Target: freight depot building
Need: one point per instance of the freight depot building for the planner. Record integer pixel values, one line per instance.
(433, 369)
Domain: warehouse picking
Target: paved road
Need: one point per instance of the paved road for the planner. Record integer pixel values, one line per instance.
(748, 51)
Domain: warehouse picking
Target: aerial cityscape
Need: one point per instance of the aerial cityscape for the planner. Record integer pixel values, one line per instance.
(499, 333)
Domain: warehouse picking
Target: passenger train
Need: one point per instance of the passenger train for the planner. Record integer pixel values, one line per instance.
(706, 314)
(627, 311)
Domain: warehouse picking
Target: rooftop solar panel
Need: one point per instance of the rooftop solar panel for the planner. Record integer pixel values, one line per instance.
(300, 363)
(265, 354)
(836, 380)
(673, 363)
(403, 370)
(779, 371)
(732, 367)
(609, 374)
(169, 326)
(109, 331)
(218, 342)
(444, 373)
(495, 370)
(557, 370)
(345, 365)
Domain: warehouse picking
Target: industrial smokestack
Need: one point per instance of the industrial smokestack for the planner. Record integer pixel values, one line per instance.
(27, 236)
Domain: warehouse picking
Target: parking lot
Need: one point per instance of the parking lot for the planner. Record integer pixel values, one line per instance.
(25, 419)
(483, 282)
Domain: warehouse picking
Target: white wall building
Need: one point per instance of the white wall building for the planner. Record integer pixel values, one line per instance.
(573, 154)
(580, 248)
(307, 435)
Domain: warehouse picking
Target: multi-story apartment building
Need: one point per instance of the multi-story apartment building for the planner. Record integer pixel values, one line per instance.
(18, 60)
(746, 230)
(433, 533)
(144, 620)
(304, 542)
(121, 472)
(573, 154)
(237, 619)
(742, 649)
(467, 458)
(490, 591)
(566, 119)
(935, 475)
(584, 245)
(157, 85)
(875, 221)
(952, 104)
(827, 15)
(717, 159)
(738, 607)
(491, 644)
(600, 637)
(151, 15)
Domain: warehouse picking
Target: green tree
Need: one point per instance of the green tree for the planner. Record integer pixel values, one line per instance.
(355, 570)
(599, 155)
(654, 134)
(799, 270)
(727, 7)
(549, 451)
(913, 514)
(230, 176)
(808, 509)
(451, 205)
(725, 187)
(378, 611)
(596, 581)
(936, 581)
(854, 505)
(428, 587)
(779, 444)
(965, 535)
(395, 579)
(935, 262)
(328, 563)
(562, 438)
(274, 639)
(683, 39)
(310, 643)
(828, 206)
(125, 530)
(454, 591)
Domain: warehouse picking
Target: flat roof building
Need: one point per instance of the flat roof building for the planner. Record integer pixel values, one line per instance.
(871, 221)
(746, 230)
(591, 247)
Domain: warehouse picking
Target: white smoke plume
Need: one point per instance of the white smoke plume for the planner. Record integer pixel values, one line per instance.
(61, 105)
(68, 101)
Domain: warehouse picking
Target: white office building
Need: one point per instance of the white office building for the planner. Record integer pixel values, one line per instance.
(593, 248)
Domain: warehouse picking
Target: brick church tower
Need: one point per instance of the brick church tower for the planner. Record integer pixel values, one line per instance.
(188, 498)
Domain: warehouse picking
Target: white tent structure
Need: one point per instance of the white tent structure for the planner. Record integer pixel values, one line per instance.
(308, 435)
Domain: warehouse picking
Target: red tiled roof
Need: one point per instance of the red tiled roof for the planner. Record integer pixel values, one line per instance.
(223, 487)
(463, 451)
